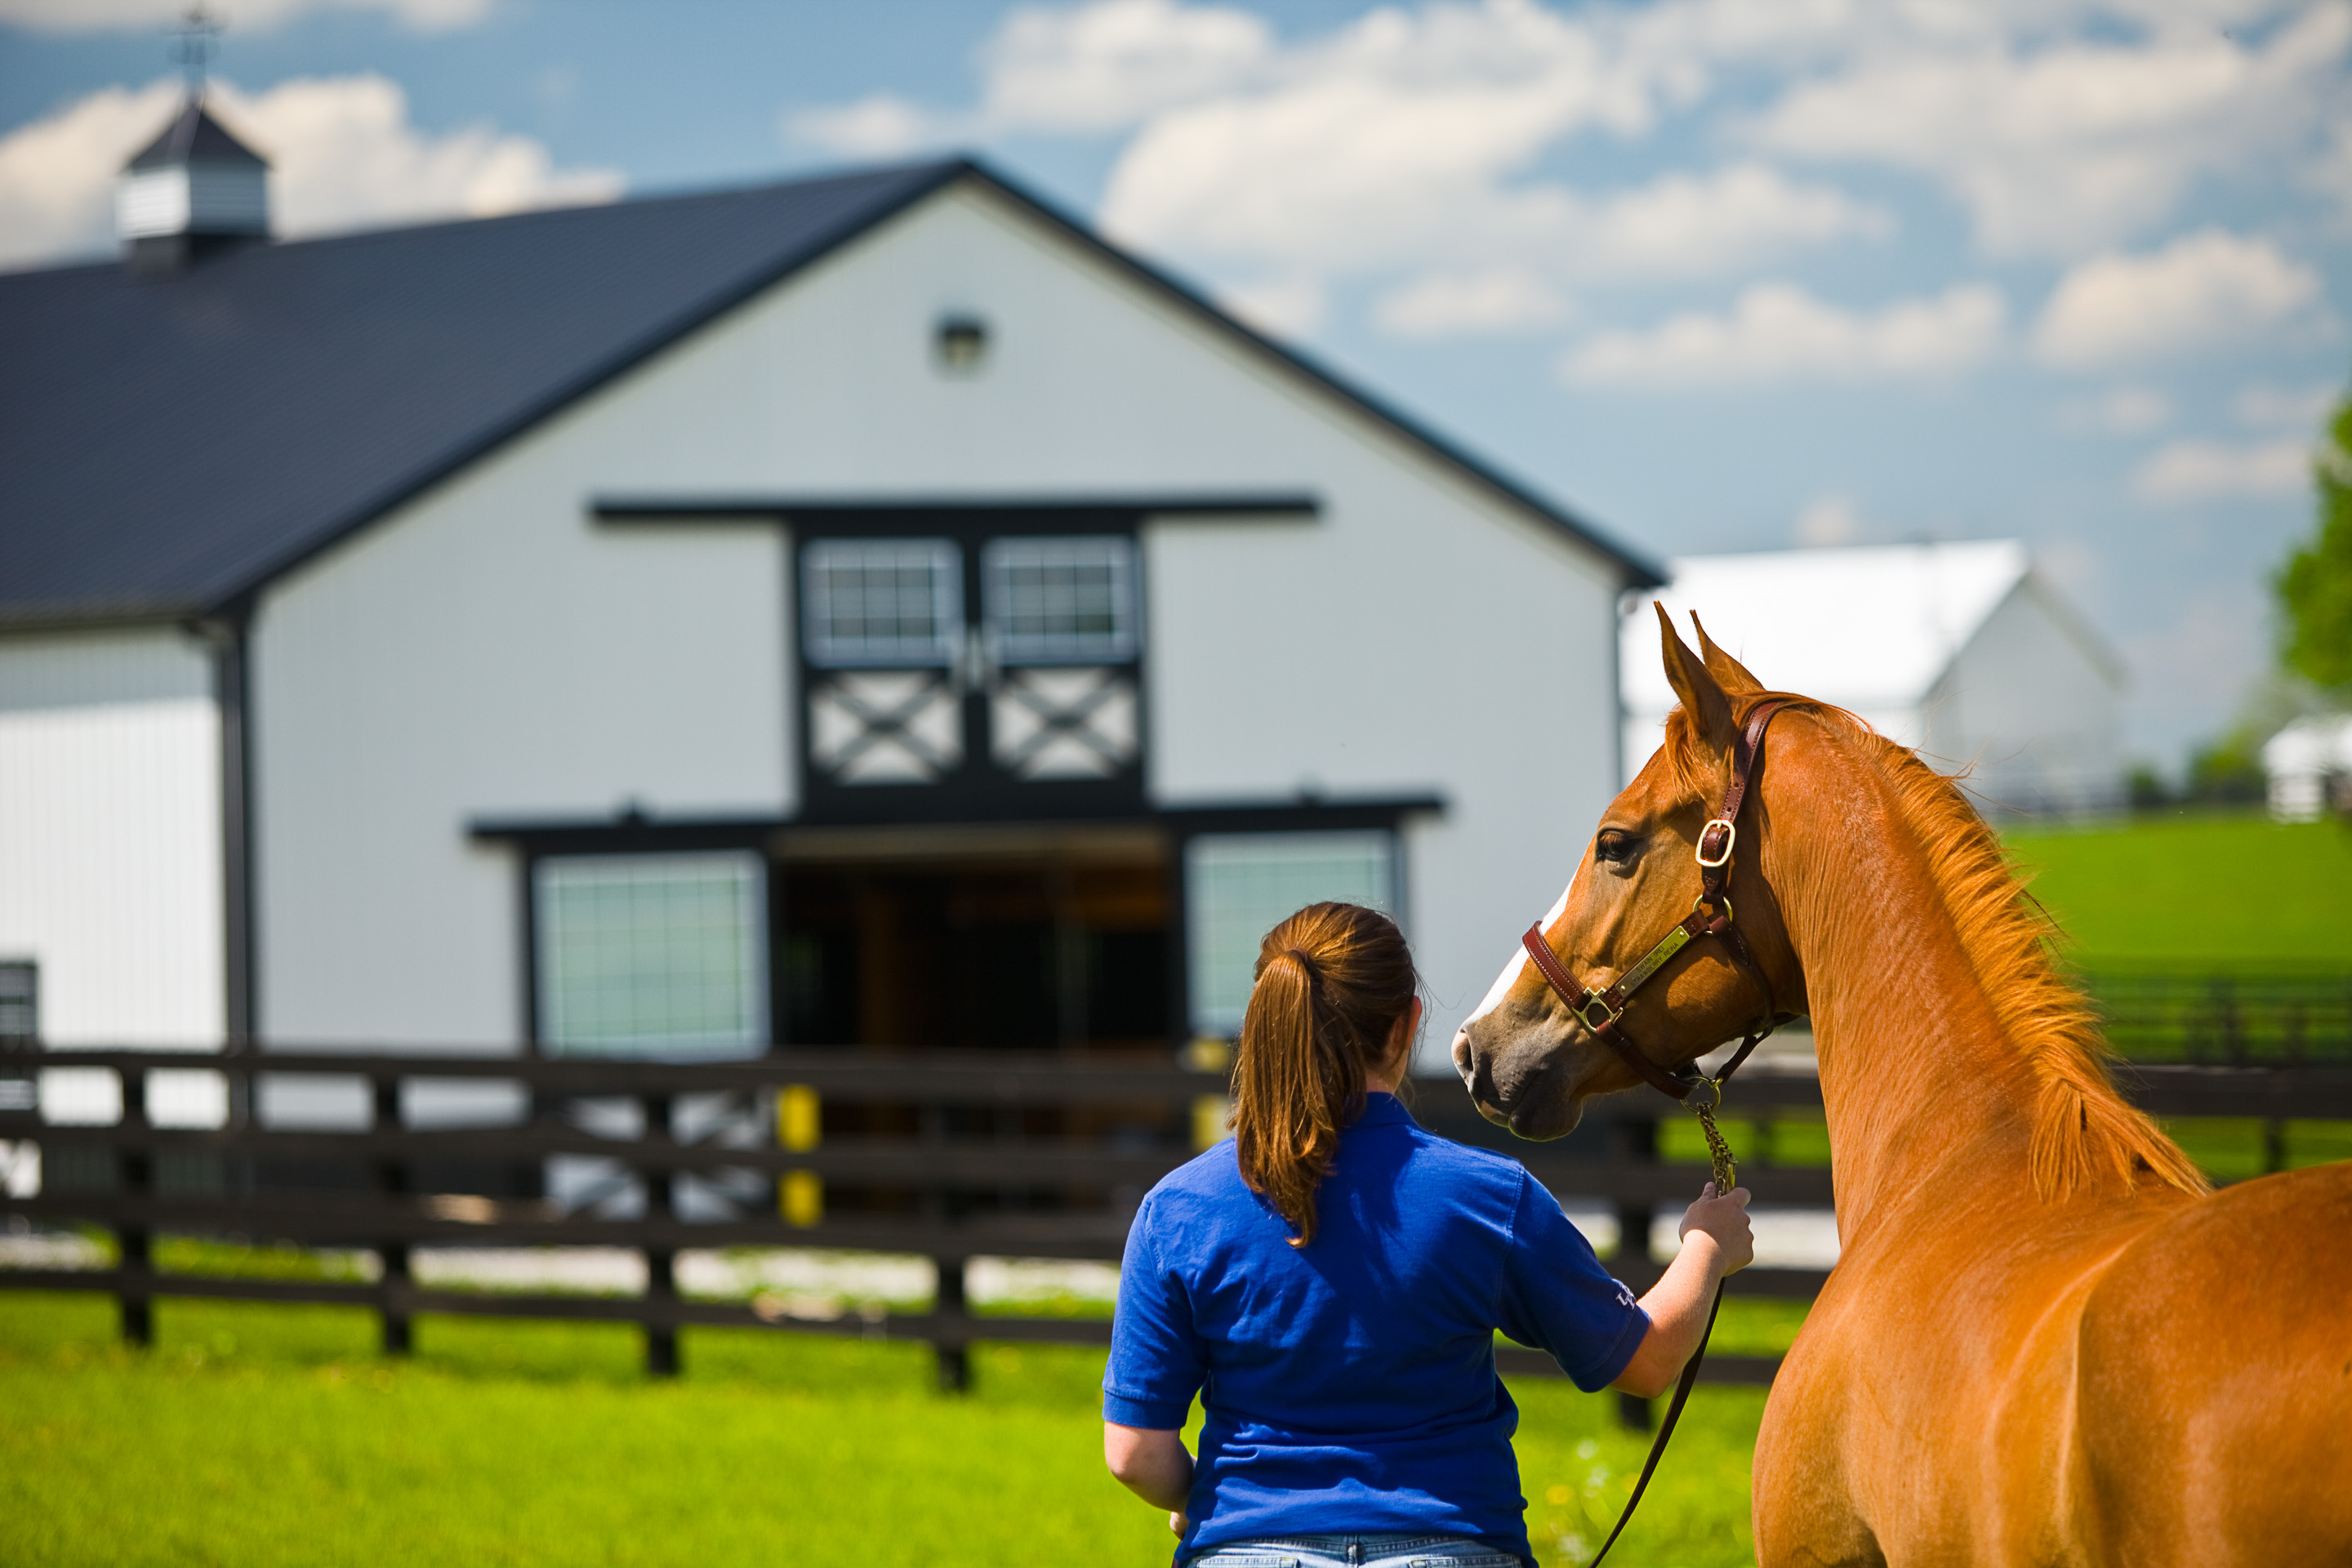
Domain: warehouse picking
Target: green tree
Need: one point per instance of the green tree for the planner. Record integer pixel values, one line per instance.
(2315, 587)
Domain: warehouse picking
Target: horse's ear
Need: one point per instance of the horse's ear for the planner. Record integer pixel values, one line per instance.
(1728, 672)
(1700, 693)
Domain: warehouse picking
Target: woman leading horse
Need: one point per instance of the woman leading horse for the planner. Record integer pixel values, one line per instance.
(1329, 1282)
(2046, 1340)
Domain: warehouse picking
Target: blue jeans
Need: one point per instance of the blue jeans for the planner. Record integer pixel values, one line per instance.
(1357, 1552)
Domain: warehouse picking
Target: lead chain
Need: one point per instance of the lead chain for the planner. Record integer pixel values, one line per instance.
(1726, 1170)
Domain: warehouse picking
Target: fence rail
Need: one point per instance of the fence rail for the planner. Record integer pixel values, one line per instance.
(948, 1155)
(2272, 1017)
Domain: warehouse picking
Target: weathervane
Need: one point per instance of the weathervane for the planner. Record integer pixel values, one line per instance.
(197, 34)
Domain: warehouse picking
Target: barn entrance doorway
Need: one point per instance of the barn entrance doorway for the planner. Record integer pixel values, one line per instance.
(1002, 938)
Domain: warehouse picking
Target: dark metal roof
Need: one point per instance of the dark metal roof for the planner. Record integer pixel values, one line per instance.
(195, 137)
(169, 444)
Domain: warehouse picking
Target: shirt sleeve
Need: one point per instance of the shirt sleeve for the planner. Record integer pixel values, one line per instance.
(1557, 1297)
(1156, 1363)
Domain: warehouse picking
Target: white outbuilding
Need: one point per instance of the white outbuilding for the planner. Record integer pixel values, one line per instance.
(870, 610)
(1964, 650)
(2309, 765)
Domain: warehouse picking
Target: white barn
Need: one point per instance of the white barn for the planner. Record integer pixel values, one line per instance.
(866, 610)
(1963, 651)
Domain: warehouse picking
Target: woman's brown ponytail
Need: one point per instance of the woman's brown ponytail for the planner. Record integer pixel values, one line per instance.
(1332, 980)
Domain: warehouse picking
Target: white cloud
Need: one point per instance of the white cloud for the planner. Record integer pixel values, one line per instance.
(1455, 304)
(1702, 225)
(1400, 142)
(342, 150)
(249, 15)
(2186, 472)
(1278, 307)
(1383, 145)
(2080, 144)
(2203, 290)
(2268, 408)
(1777, 332)
(1828, 520)
(1092, 68)
(2121, 410)
(1117, 63)
(881, 125)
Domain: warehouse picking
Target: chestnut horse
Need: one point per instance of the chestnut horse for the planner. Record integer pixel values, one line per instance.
(2046, 1340)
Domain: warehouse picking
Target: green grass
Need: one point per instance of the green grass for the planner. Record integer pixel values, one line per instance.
(2212, 888)
(270, 1435)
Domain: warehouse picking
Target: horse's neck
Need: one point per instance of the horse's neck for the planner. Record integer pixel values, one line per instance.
(1917, 1079)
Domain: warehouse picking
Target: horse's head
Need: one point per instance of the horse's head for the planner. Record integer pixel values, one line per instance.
(1530, 1064)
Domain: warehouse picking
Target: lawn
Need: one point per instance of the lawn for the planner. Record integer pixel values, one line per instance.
(268, 1435)
(2209, 890)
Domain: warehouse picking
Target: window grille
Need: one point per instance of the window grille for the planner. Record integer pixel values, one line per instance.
(20, 1005)
(651, 955)
(1239, 886)
(1060, 600)
(882, 602)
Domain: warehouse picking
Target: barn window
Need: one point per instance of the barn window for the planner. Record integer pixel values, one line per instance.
(882, 602)
(652, 955)
(20, 1005)
(1060, 600)
(1238, 886)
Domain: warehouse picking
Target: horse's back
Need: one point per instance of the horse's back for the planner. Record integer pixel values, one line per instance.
(2215, 1386)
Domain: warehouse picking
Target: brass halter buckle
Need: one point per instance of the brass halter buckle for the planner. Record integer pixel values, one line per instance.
(1714, 852)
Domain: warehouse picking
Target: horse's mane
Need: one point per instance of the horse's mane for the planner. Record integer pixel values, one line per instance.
(2083, 1130)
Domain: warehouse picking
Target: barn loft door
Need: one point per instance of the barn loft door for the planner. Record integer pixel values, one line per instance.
(970, 674)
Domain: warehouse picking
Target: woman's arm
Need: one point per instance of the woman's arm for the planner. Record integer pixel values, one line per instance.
(1154, 1465)
(1716, 1241)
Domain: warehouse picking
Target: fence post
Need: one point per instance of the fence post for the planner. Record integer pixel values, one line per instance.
(392, 1181)
(661, 1261)
(954, 1355)
(136, 1168)
(1637, 1144)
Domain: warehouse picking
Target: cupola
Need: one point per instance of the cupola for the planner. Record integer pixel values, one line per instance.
(195, 191)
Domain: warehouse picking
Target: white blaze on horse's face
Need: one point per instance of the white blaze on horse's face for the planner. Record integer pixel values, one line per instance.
(1504, 982)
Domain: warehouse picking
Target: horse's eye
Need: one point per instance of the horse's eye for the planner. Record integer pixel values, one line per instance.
(1614, 848)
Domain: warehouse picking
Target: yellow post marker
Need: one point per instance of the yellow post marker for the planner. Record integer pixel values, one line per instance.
(802, 1199)
(1210, 1112)
(799, 1117)
(800, 1126)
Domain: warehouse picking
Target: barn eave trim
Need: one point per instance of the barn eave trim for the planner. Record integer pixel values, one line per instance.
(1286, 504)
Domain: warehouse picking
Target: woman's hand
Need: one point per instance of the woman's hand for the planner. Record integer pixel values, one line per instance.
(1178, 1524)
(1716, 1241)
(1724, 1221)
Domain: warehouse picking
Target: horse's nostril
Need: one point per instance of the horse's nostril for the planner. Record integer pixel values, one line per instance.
(1461, 1054)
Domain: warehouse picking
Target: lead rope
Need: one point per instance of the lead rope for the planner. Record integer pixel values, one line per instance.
(1727, 1177)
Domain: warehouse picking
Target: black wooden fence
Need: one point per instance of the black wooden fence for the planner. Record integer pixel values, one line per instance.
(947, 1155)
(2256, 1015)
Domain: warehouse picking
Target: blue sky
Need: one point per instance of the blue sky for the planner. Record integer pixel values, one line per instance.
(1724, 276)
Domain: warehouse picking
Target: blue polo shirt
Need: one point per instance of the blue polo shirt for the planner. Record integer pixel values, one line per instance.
(1349, 1385)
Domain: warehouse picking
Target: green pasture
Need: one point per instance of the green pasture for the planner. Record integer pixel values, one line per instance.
(268, 1435)
(2210, 890)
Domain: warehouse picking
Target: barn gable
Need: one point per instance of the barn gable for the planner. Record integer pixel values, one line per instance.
(616, 641)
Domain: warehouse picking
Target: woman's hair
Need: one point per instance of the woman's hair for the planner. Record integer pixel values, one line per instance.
(1332, 980)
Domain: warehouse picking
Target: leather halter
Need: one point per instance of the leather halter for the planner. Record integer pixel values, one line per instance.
(1602, 1012)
